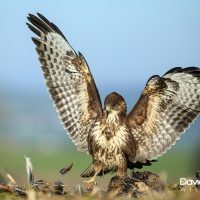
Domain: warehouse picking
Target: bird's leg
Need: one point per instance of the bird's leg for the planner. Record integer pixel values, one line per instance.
(97, 166)
(122, 168)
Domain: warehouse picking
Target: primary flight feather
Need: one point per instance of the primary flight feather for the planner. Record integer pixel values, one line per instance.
(116, 140)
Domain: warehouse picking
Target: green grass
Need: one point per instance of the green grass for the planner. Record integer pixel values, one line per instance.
(46, 165)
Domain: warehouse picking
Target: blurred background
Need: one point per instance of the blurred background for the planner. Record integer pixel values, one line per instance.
(124, 42)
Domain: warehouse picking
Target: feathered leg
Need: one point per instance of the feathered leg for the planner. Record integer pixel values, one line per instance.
(122, 168)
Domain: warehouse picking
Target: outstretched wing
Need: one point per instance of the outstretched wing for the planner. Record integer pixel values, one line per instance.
(166, 108)
(68, 79)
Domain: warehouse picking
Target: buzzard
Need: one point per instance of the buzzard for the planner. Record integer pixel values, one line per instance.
(116, 140)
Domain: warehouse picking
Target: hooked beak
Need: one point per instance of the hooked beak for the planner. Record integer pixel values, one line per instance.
(108, 110)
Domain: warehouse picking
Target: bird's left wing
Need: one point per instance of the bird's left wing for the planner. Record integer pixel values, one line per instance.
(68, 79)
(166, 108)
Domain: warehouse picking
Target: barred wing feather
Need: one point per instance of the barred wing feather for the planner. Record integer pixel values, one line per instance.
(166, 108)
(68, 79)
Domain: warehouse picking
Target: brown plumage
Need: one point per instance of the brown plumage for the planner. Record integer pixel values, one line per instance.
(116, 140)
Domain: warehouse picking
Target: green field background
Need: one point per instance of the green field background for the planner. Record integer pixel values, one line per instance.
(29, 126)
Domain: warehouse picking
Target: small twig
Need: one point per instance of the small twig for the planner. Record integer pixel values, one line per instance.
(12, 182)
(5, 188)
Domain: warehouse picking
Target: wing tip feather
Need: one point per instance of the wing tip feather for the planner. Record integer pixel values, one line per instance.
(41, 23)
(190, 70)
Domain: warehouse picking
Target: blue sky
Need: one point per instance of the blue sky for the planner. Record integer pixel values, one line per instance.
(124, 42)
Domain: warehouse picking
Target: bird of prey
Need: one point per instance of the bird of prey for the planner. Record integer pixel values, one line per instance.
(115, 139)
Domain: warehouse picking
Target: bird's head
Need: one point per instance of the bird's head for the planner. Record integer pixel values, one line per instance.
(114, 103)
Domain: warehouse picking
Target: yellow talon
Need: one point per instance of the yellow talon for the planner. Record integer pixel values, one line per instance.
(90, 183)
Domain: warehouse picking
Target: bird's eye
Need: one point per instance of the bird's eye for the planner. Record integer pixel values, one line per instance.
(114, 105)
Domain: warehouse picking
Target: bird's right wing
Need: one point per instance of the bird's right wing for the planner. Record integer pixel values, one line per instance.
(68, 79)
